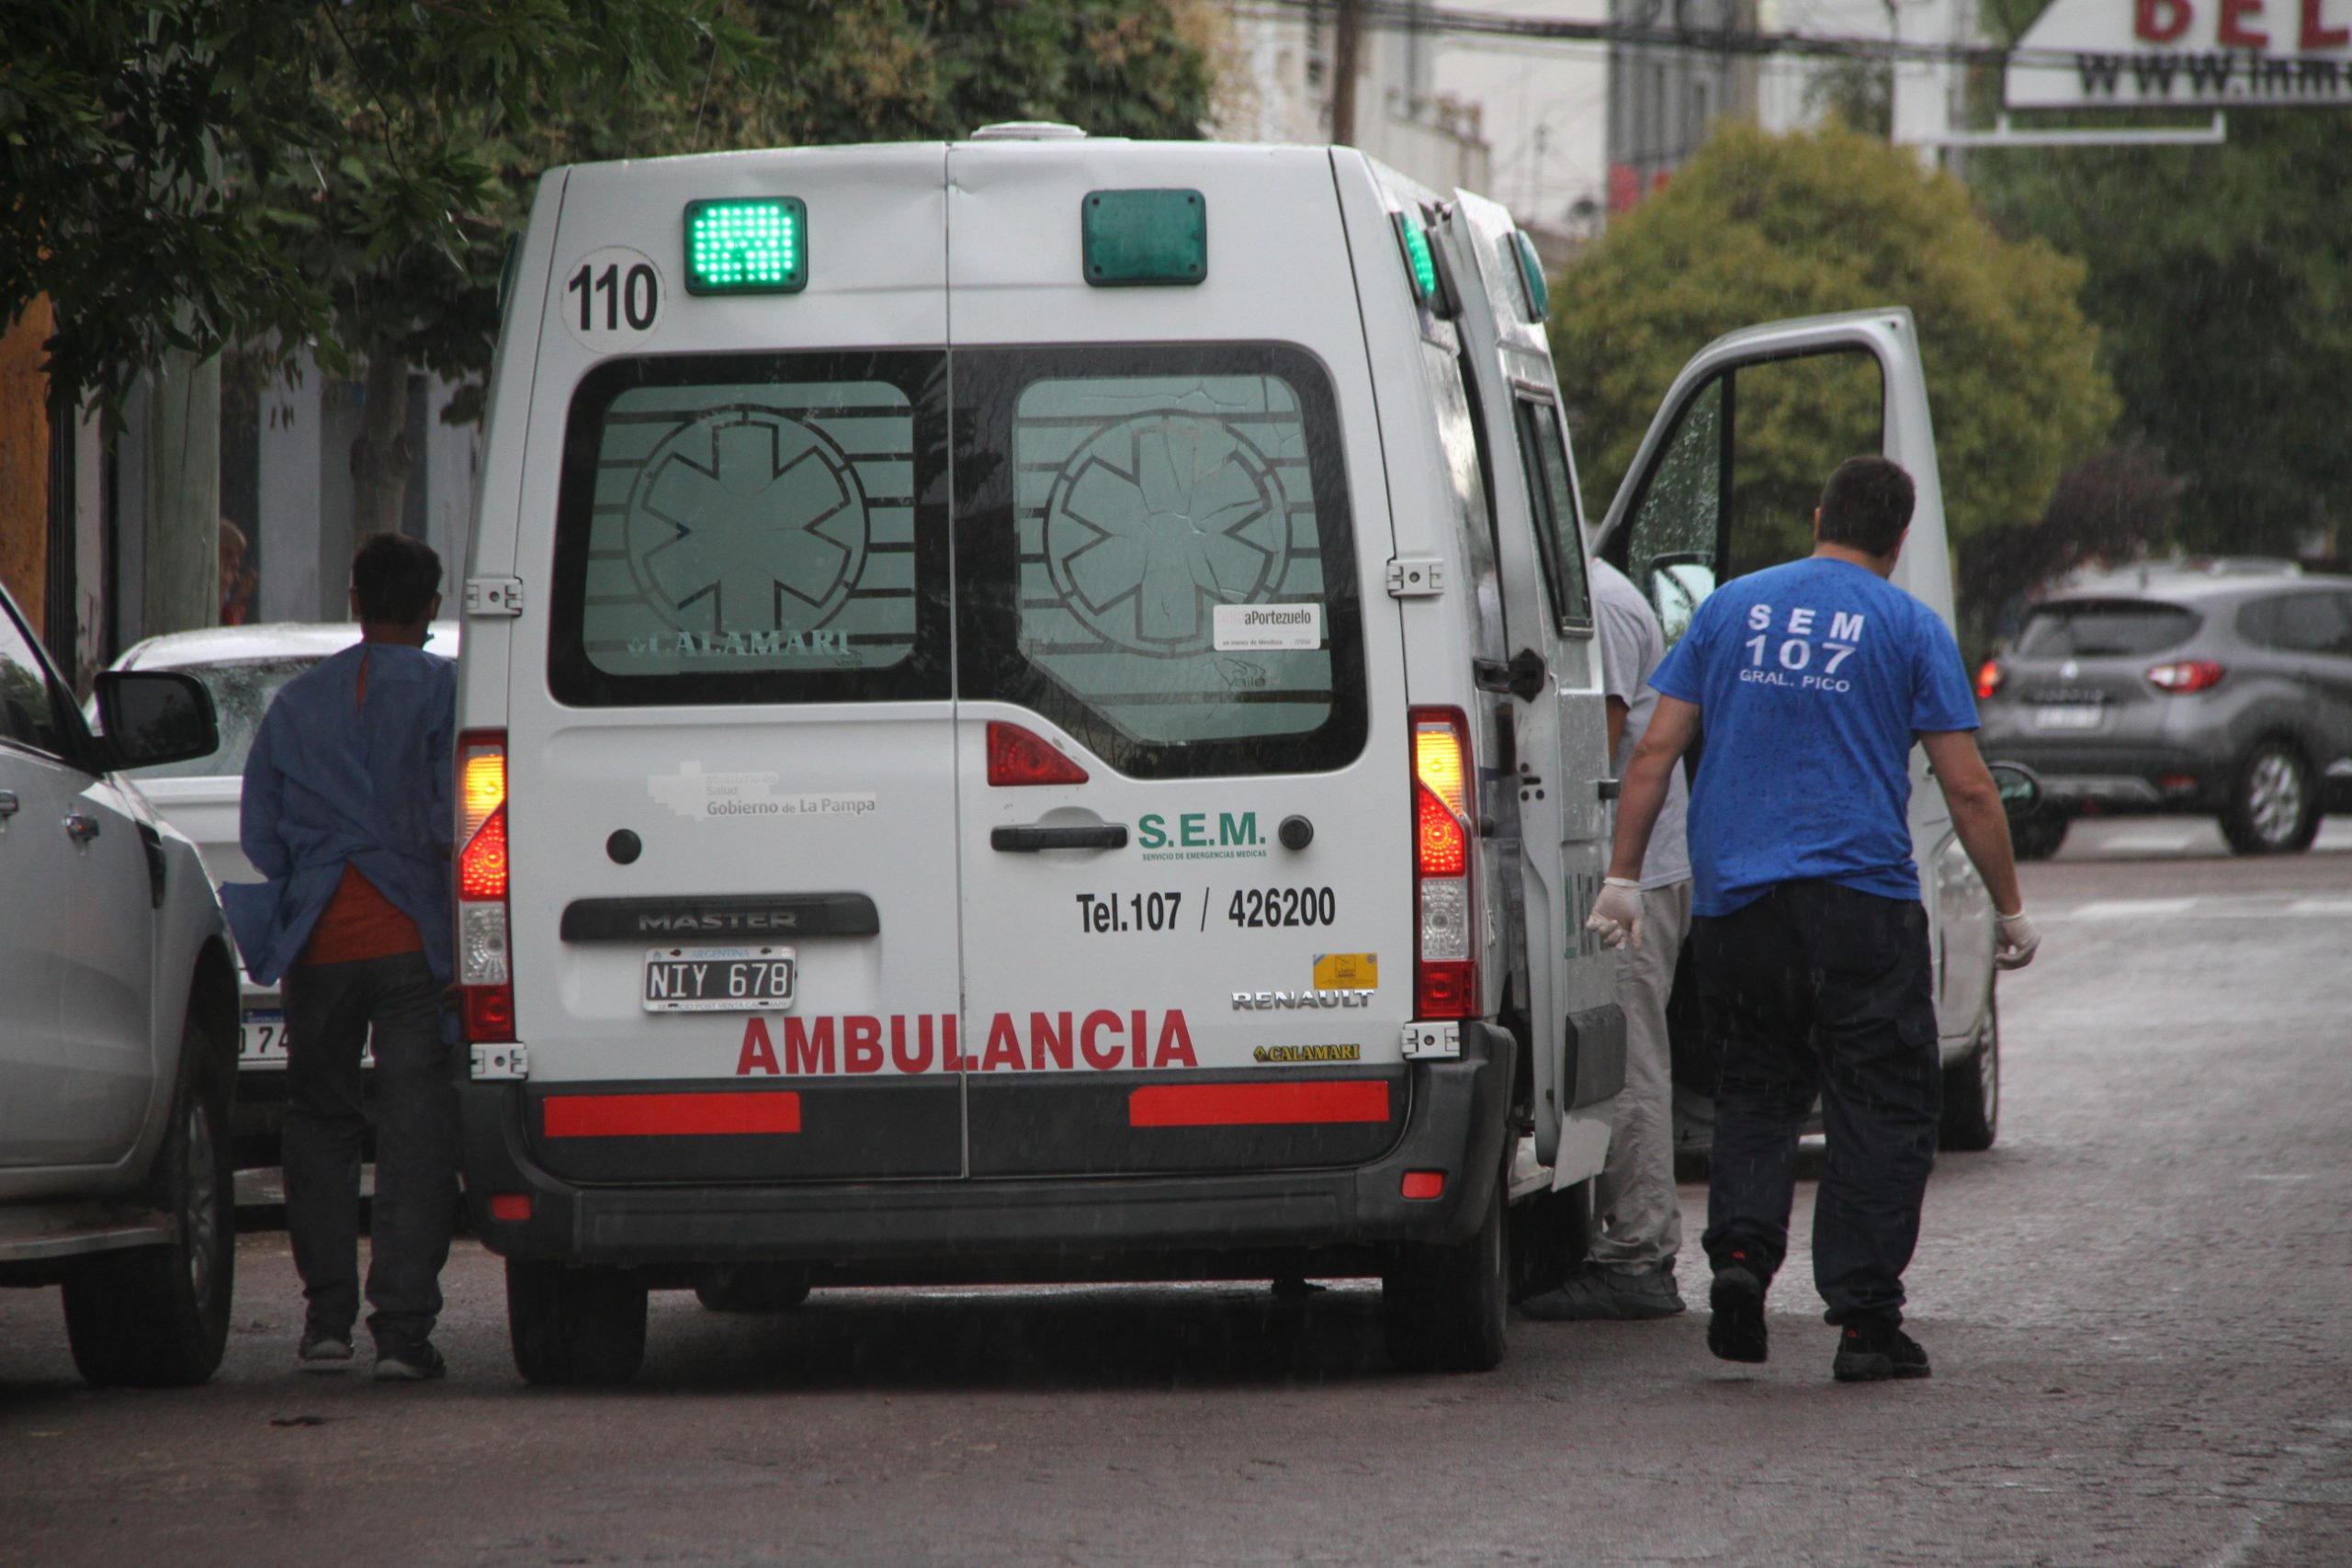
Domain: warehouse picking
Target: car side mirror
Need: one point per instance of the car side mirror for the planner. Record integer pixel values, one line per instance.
(1678, 585)
(153, 717)
(2021, 790)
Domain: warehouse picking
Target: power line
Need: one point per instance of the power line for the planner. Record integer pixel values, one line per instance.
(1399, 15)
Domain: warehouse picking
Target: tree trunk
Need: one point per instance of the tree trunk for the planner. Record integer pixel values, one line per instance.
(1347, 43)
(182, 591)
(380, 457)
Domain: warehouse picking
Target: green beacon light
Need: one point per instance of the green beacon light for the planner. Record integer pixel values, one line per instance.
(1530, 276)
(1418, 263)
(1131, 239)
(747, 245)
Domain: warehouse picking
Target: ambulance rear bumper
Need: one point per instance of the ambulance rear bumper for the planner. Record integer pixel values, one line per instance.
(1053, 1227)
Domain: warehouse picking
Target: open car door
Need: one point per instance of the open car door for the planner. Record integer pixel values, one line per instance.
(1726, 483)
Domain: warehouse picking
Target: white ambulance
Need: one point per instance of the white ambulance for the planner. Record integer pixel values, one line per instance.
(1029, 711)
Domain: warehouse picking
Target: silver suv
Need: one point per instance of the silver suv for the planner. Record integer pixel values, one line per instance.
(118, 1026)
(2222, 691)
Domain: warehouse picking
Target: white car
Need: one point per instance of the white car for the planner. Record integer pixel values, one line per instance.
(117, 1028)
(244, 668)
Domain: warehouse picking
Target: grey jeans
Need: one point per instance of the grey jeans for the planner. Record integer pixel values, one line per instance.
(1638, 1216)
(329, 1010)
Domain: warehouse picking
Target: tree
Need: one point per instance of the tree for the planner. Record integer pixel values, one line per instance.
(1756, 226)
(186, 173)
(2219, 277)
(2107, 511)
(169, 169)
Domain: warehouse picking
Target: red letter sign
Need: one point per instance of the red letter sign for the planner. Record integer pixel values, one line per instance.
(2236, 34)
(2174, 16)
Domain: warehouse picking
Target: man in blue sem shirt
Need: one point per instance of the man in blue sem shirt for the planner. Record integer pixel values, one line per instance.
(1808, 938)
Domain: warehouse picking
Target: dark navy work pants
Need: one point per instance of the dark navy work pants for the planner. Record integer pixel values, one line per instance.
(1816, 989)
(329, 1010)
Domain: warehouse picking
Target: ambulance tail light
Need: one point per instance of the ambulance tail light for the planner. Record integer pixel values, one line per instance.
(484, 978)
(1445, 969)
(1017, 756)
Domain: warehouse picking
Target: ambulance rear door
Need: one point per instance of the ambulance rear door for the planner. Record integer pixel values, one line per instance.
(731, 796)
(1185, 811)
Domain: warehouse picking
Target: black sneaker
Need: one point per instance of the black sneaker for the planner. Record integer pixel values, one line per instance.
(1874, 1350)
(1599, 1293)
(324, 1350)
(419, 1362)
(1736, 1329)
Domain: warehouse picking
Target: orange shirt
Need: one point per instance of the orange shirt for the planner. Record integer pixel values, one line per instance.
(360, 922)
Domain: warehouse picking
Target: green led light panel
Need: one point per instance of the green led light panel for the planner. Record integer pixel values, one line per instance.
(1530, 276)
(751, 246)
(1144, 238)
(1415, 239)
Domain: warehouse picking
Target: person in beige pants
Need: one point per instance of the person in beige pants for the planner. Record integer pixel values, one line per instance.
(1638, 1218)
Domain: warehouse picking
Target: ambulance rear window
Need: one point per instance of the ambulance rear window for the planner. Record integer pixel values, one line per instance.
(1154, 549)
(752, 528)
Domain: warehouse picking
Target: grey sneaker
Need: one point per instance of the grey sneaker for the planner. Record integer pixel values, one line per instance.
(419, 1362)
(324, 1350)
(1595, 1293)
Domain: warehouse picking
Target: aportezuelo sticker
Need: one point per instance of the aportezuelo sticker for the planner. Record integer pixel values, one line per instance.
(1266, 628)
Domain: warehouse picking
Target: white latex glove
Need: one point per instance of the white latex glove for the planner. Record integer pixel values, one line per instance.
(1617, 913)
(2015, 940)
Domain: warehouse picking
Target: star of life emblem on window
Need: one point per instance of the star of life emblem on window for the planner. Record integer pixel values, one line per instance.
(746, 520)
(1157, 519)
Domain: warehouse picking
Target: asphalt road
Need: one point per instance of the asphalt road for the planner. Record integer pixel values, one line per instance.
(2139, 1305)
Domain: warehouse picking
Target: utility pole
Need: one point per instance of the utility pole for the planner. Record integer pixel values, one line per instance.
(1347, 39)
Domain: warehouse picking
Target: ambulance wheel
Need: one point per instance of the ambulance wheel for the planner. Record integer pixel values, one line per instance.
(574, 1326)
(751, 1287)
(1972, 1117)
(1442, 1307)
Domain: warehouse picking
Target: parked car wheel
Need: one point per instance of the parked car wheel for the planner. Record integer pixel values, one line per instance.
(2273, 808)
(574, 1326)
(1972, 1117)
(1442, 1308)
(158, 1316)
(2038, 836)
(751, 1287)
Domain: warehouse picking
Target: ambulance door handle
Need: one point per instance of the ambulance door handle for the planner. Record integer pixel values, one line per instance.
(1524, 677)
(1084, 836)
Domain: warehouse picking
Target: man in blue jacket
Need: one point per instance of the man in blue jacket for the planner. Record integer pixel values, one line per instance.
(1808, 938)
(346, 812)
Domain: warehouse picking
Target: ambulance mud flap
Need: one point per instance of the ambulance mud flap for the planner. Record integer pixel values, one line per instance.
(1455, 1115)
(1595, 1055)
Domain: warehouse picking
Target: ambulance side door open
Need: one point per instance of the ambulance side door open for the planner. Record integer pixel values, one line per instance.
(1560, 744)
(1707, 496)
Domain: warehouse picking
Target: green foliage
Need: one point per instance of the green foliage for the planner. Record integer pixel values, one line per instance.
(187, 173)
(1758, 227)
(2220, 278)
(194, 173)
(916, 69)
